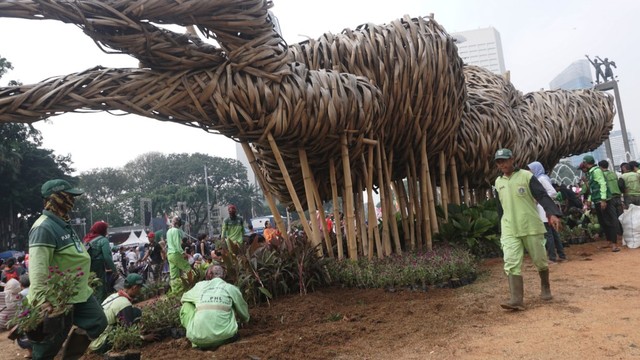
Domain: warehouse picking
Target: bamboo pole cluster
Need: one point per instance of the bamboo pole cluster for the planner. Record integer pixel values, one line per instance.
(386, 108)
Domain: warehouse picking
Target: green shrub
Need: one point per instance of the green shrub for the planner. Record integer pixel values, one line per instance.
(124, 338)
(474, 228)
(264, 272)
(162, 314)
(421, 269)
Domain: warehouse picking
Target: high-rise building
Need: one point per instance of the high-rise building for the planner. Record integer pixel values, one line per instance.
(617, 148)
(481, 47)
(575, 76)
(578, 76)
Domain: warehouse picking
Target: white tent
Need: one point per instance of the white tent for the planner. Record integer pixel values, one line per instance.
(143, 237)
(133, 240)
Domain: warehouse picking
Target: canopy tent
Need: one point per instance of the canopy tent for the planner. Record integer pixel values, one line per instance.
(143, 237)
(133, 240)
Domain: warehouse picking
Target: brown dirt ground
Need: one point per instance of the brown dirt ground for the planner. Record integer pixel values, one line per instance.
(595, 314)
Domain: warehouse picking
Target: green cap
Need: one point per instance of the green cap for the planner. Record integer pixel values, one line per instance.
(57, 185)
(503, 154)
(589, 159)
(133, 279)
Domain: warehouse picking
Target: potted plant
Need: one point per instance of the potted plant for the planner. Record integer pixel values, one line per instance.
(125, 342)
(39, 322)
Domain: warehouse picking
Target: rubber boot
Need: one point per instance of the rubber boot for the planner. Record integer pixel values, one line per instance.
(517, 291)
(76, 344)
(545, 294)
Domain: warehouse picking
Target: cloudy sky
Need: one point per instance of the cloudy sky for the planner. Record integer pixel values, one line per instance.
(540, 38)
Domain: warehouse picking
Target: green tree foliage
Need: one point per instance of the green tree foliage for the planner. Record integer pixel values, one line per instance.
(167, 179)
(24, 167)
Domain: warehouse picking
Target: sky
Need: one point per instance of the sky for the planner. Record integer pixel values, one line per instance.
(540, 38)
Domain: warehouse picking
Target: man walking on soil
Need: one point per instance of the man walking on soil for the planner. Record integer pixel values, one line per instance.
(521, 227)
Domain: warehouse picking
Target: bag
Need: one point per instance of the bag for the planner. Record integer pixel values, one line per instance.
(630, 221)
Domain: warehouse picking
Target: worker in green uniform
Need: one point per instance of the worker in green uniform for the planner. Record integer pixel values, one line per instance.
(119, 310)
(209, 310)
(177, 257)
(521, 227)
(233, 229)
(602, 201)
(53, 242)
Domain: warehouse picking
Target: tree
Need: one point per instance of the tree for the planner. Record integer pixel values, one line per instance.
(166, 180)
(24, 167)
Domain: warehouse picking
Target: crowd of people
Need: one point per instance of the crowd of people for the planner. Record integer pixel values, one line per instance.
(122, 271)
(530, 206)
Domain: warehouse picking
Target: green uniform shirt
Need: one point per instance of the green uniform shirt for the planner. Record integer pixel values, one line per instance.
(209, 312)
(520, 216)
(612, 182)
(174, 241)
(233, 229)
(100, 251)
(112, 305)
(52, 242)
(598, 185)
(631, 183)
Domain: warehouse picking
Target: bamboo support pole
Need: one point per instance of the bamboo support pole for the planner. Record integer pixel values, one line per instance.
(267, 194)
(411, 209)
(444, 193)
(323, 218)
(311, 203)
(289, 183)
(362, 234)
(417, 202)
(372, 229)
(424, 197)
(348, 196)
(455, 187)
(398, 188)
(386, 241)
(336, 211)
(432, 201)
(387, 163)
(467, 192)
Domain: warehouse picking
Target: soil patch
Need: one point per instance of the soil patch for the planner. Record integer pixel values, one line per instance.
(595, 314)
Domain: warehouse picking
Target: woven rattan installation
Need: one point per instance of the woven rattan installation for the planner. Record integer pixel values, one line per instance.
(361, 110)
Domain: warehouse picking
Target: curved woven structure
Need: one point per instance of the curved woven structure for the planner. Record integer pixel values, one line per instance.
(544, 126)
(385, 107)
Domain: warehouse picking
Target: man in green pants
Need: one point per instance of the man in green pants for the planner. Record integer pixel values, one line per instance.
(54, 243)
(521, 227)
(177, 257)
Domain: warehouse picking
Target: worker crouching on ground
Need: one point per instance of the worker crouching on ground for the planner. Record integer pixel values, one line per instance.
(209, 310)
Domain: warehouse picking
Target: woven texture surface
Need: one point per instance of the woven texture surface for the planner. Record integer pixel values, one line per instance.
(394, 84)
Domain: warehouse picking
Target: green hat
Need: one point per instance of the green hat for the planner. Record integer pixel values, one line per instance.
(589, 159)
(133, 279)
(503, 154)
(57, 185)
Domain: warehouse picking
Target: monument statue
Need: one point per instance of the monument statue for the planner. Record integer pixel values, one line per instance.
(608, 73)
(597, 64)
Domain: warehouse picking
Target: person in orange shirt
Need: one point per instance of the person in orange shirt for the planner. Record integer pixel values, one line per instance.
(269, 232)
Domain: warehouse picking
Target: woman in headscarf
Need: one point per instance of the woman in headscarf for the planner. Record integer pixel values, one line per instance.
(101, 257)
